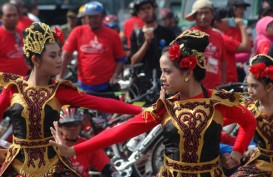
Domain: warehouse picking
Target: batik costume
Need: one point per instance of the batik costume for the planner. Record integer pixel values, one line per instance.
(261, 162)
(191, 129)
(33, 110)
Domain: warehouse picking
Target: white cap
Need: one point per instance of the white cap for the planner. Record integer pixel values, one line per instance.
(198, 4)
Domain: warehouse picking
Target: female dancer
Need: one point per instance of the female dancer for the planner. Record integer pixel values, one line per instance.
(192, 119)
(260, 89)
(35, 102)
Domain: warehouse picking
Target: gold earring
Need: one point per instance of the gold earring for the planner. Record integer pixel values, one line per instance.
(268, 91)
(38, 65)
(186, 79)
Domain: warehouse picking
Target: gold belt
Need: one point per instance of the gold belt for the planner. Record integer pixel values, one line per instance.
(266, 151)
(192, 168)
(32, 143)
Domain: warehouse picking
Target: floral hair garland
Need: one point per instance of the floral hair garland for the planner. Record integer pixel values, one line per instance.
(59, 35)
(260, 71)
(176, 54)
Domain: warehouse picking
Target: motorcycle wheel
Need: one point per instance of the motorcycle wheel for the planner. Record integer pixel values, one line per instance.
(157, 156)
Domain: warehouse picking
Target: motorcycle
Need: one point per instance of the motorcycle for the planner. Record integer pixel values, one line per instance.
(138, 156)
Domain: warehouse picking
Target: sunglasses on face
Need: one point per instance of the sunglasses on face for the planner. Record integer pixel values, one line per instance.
(71, 124)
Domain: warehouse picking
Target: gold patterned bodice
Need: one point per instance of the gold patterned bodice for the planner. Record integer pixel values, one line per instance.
(192, 128)
(264, 130)
(33, 110)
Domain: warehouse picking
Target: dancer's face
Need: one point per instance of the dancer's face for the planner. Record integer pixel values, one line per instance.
(51, 61)
(172, 78)
(255, 88)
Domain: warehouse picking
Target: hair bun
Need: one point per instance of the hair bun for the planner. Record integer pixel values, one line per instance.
(193, 39)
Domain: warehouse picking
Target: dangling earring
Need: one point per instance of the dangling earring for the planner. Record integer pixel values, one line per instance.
(186, 79)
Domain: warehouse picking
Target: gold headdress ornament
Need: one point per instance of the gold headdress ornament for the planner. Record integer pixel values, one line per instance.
(182, 53)
(35, 40)
(260, 55)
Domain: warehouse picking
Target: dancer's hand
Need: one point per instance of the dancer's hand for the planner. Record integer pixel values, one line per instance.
(248, 154)
(63, 149)
(3, 153)
(231, 160)
(162, 93)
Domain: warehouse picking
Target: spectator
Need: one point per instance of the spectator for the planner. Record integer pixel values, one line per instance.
(70, 127)
(131, 24)
(237, 9)
(170, 20)
(80, 15)
(231, 44)
(100, 51)
(23, 21)
(202, 14)
(148, 42)
(33, 12)
(11, 42)
(264, 30)
(71, 23)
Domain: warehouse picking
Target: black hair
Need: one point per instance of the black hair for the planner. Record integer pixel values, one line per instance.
(191, 43)
(220, 13)
(37, 27)
(268, 61)
(138, 3)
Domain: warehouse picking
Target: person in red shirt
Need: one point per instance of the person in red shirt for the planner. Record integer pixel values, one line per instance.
(70, 125)
(132, 23)
(191, 119)
(100, 51)
(237, 9)
(202, 14)
(23, 21)
(232, 45)
(11, 43)
(264, 39)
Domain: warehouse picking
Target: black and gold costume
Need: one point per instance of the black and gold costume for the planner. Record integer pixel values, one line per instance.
(261, 162)
(191, 129)
(33, 110)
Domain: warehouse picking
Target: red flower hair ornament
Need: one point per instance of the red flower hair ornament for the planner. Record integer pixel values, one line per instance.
(261, 71)
(59, 35)
(175, 54)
